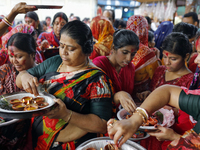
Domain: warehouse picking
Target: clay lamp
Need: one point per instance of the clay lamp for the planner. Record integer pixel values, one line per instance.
(43, 104)
(109, 147)
(30, 106)
(26, 99)
(15, 101)
(38, 100)
(91, 149)
(19, 107)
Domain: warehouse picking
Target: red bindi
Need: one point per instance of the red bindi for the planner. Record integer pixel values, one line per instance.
(166, 53)
(11, 51)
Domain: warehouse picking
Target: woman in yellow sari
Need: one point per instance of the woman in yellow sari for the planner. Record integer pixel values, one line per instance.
(145, 60)
(102, 31)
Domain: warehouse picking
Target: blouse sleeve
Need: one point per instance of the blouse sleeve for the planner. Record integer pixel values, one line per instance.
(101, 95)
(191, 105)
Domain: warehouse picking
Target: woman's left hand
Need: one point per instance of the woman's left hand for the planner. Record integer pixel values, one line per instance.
(59, 112)
(126, 101)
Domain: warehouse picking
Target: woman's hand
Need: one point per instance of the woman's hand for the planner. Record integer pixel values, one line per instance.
(142, 96)
(29, 83)
(44, 45)
(164, 133)
(126, 101)
(22, 8)
(59, 112)
(123, 129)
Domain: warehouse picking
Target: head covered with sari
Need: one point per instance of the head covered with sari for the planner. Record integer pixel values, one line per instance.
(139, 25)
(102, 31)
(163, 30)
(23, 28)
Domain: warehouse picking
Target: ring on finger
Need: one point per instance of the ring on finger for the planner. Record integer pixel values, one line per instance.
(110, 124)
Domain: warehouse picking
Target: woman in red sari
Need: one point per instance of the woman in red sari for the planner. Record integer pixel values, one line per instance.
(145, 60)
(176, 50)
(102, 31)
(119, 68)
(51, 39)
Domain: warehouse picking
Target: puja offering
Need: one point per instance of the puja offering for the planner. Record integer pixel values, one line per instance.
(156, 118)
(105, 143)
(22, 105)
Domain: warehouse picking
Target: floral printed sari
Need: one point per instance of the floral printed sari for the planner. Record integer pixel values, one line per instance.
(85, 92)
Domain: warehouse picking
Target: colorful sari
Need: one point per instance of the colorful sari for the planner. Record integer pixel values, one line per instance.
(183, 122)
(102, 31)
(22, 28)
(87, 92)
(122, 81)
(145, 60)
(50, 37)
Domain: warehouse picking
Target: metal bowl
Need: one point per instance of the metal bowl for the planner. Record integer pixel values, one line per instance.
(12, 114)
(9, 122)
(101, 142)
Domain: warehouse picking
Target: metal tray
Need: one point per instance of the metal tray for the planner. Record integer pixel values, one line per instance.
(12, 114)
(101, 142)
(9, 122)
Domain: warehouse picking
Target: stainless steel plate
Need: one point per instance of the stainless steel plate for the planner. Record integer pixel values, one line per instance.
(101, 142)
(12, 114)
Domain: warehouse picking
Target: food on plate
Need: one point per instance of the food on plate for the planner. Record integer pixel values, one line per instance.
(150, 122)
(111, 147)
(138, 134)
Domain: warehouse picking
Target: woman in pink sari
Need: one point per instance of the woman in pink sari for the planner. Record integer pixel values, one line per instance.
(102, 31)
(145, 60)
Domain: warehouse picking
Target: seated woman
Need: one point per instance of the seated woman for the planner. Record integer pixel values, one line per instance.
(145, 60)
(21, 52)
(32, 19)
(102, 31)
(21, 28)
(176, 51)
(119, 68)
(51, 39)
(184, 100)
(85, 92)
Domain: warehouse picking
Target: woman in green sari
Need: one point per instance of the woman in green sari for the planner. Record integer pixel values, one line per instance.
(85, 93)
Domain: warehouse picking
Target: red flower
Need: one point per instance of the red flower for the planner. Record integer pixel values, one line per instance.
(51, 123)
(69, 92)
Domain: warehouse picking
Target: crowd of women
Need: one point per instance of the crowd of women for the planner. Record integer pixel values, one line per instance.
(97, 69)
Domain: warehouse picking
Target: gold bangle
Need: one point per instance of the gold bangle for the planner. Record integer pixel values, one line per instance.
(8, 21)
(70, 115)
(144, 121)
(143, 113)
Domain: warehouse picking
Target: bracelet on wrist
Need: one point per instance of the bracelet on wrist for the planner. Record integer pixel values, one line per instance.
(7, 21)
(144, 112)
(141, 115)
(70, 115)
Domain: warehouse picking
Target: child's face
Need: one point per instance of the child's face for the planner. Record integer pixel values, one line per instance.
(152, 43)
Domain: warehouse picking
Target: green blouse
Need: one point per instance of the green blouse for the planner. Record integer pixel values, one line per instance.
(191, 105)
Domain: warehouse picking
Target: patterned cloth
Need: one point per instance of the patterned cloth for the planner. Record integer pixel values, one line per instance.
(102, 31)
(84, 92)
(145, 60)
(8, 75)
(183, 122)
(50, 37)
(22, 28)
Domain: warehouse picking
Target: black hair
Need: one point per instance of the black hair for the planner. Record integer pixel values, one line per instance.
(86, 19)
(150, 36)
(77, 18)
(47, 17)
(193, 15)
(23, 41)
(34, 16)
(197, 34)
(119, 22)
(177, 43)
(80, 32)
(124, 37)
(60, 14)
(44, 23)
(188, 29)
(148, 19)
